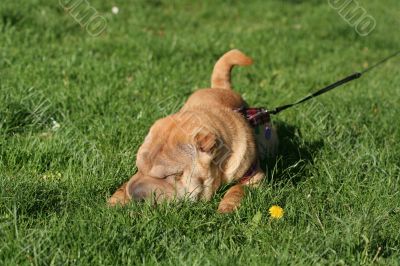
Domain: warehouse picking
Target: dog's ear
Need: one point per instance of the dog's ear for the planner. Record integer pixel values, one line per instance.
(205, 141)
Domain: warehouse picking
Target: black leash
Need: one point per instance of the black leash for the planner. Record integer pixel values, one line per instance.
(341, 82)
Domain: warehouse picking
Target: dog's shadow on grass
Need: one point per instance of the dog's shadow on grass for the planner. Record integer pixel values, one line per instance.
(294, 156)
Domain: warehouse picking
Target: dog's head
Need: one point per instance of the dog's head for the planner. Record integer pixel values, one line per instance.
(176, 161)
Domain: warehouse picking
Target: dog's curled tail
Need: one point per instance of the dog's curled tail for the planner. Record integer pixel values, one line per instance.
(221, 76)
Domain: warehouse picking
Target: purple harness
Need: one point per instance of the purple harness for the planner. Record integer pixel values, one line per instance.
(257, 117)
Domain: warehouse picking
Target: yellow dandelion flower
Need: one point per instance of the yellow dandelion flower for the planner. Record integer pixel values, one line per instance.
(276, 212)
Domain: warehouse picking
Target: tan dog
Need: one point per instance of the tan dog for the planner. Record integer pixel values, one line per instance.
(206, 144)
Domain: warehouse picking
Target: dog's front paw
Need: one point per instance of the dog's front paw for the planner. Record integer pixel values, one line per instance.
(114, 201)
(226, 208)
(231, 200)
(119, 197)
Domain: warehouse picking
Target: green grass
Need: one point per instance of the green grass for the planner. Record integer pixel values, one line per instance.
(337, 174)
